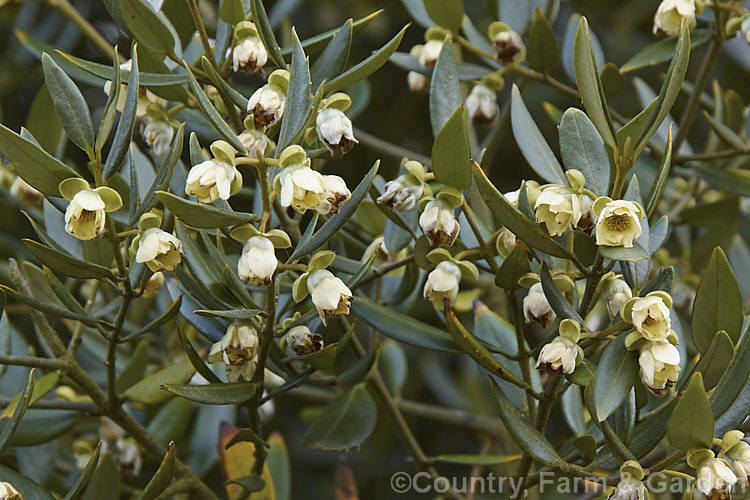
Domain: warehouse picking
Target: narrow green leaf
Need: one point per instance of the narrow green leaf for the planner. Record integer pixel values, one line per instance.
(337, 221)
(195, 358)
(542, 47)
(70, 105)
(345, 423)
(635, 253)
(238, 99)
(29, 489)
(266, 33)
(734, 378)
(514, 266)
(727, 134)
(83, 479)
(692, 423)
(106, 478)
(713, 363)
(718, 303)
(662, 51)
(124, 132)
(62, 293)
(41, 388)
(201, 215)
(66, 264)
(583, 149)
(522, 431)
(146, 26)
(110, 109)
(232, 11)
(148, 391)
(477, 459)
(662, 176)
(105, 72)
(232, 393)
(46, 308)
(163, 318)
(559, 303)
(320, 360)
(368, 66)
(590, 86)
(532, 144)
(447, 13)
(315, 44)
(730, 180)
(615, 377)
(332, 61)
(299, 97)
(451, 152)
(467, 72)
(162, 477)
(445, 93)
(10, 429)
(233, 314)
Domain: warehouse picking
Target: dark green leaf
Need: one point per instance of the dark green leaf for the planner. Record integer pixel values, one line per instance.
(513, 267)
(10, 429)
(466, 71)
(124, 132)
(333, 60)
(163, 318)
(195, 358)
(85, 476)
(28, 489)
(726, 133)
(266, 33)
(314, 44)
(105, 72)
(231, 393)
(345, 423)
(732, 181)
(445, 92)
(559, 303)
(148, 390)
(66, 264)
(615, 376)
(657, 189)
(662, 51)
(477, 459)
(451, 152)
(447, 13)
(635, 253)
(714, 361)
(691, 423)
(146, 26)
(582, 149)
(299, 98)
(734, 378)
(202, 215)
(105, 480)
(110, 109)
(320, 360)
(542, 47)
(233, 314)
(232, 11)
(47, 308)
(238, 99)
(135, 369)
(162, 477)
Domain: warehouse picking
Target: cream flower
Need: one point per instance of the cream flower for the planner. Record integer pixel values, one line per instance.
(302, 188)
(430, 52)
(9, 492)
(670, 14)
(336, 193)
(443, 281)
(153, 285)
(401, 194)
(481, 105)
(650, 316)
(267, 105)
(255, 142)
(158, 134)
(439, 223)
(85, 215)
(660, 365)
(160, 250)
(616, 293)
(558, 207)
(508, 46)
(417, 82)
(559, 356)
(258, 261)
(213, 179)
(715, 479)
(739, 457)
(126, 455)
(628, 489)
(26, 192)
(301, 341)
(536, 308)
(335, 130)
(238, 350)
(249, 55)
(329, 294)
(619, 224)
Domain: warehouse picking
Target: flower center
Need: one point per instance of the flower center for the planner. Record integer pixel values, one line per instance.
(618, 222)
(649, 321)
(87, 215)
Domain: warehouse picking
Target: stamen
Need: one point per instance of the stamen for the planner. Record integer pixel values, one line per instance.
(618, 222)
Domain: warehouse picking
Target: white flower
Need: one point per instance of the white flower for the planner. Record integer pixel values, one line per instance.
(559, 208)
(335, 130)
(158, 134)
(536, 308)
(160, 250)
(619, 224)
(628, 489)
(650, 316)
(8, 492)
(212, 179)
(715, 479)
(442, 282)
(588, 217)
(301, 341)
(255, 142)
(336, 193)
(329, 294)
(508, 46)
(302, 188)
(739, 457)
(559, 356)
(378, 249)
(512, 197)
(616, 293)
(257, 262)
(85, 215)
(417, 82)
(400, 194)
(670, 14)
(153, 285)
(125, 454)
(26, 192)
(660, 365)
(439, 223)
(267, 105)
(238, 350)
(481, 105)
(249, 55)
(430, 52)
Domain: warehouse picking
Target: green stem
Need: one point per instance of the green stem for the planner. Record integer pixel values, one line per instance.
(524, 357)
(43, 363)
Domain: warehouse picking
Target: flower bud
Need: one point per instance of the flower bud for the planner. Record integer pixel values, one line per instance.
(335, 130)
(257, 262)
(213, 179)
(302, 188)
(158, 134)
(628, 489)
(619, 222)
(715, 479)
(128, 457)
(559, 356)
(329, 294)
(443, 281)
(660, 366)
(439, 223)
(336, 193)
(587, 223)
(536, 308)
(670, 14)
(430, 52)
(301, 341)
(160, 250)
(481, 105)
(401, 194)
(8, 492)
(153, 285)
(650, 316)
(85, 215)
(238, 350)
(27, 193)
(417, 82)
(558, 207)
(249, 55)
(267, 105)
(739, 456)
(378, 249)
(616, 293)
(255, 142)
(508, 46)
